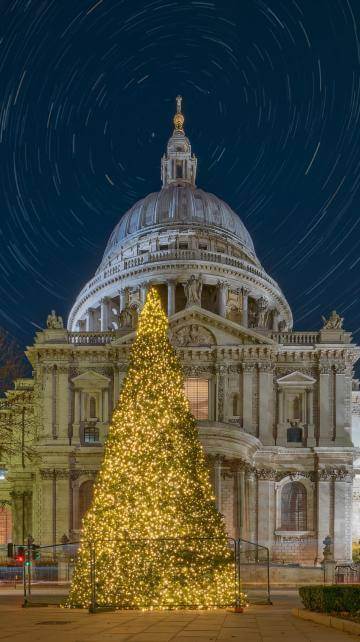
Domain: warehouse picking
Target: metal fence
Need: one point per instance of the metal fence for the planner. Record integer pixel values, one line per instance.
(48, 579)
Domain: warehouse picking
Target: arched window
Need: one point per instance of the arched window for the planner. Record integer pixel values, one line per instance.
(5, 524)
(293, 507)
(85, 498)
(92, 408)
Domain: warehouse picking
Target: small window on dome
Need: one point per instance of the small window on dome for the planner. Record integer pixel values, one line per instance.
(203, 246)
(179, 169)
(183, 246)
(163, 246)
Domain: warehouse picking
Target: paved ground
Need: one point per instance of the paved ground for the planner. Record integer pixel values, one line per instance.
(257, 624)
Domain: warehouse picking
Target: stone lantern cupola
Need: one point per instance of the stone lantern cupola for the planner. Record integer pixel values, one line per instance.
(178, 165)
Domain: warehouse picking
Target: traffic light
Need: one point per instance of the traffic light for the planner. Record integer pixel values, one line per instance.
(20, 554)
(35, 552)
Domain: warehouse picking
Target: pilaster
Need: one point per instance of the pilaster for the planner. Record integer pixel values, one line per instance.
(266, 431)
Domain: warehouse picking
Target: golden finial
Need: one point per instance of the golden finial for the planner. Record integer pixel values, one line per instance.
(178, 119)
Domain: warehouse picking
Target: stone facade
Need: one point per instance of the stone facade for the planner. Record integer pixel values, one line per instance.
(275, 405)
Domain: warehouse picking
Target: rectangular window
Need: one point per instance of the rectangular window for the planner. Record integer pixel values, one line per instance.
(183, 246)
(91, 435)
(203, 246)
(197, 392)
(163, 246)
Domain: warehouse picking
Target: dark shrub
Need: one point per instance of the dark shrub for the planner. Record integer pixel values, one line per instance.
(331, 599)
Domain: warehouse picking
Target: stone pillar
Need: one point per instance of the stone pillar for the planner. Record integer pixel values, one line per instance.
(310, 418)
(105, 405)
(223, 297)
(324, 505)
(47, 402)
(245, 307)
(239, 495)
(104, 314)
(342, 432)
(281, 437)
(248, 371)
(171, 288)
(266, 512)
(217, 481)
(250, 525)
(63, 404)
(77, 417)
(89, 320)
(342, 517)
(62, 505)
(266, 413)
(143, 292)
(122, 300)
(275, 320)
(46, 513)
(116, 390)
(220, 393)
(326, 428)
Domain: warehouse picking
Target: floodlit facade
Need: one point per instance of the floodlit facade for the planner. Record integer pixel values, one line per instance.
(274, 406)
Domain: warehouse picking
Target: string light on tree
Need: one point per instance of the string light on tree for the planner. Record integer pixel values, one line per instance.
(154, 530)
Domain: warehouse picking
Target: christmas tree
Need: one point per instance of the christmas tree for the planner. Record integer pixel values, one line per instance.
(153, 536)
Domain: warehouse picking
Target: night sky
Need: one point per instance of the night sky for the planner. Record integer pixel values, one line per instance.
(271, 96)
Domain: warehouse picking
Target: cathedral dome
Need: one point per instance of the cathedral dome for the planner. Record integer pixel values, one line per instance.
(190, 245)
(178, 205)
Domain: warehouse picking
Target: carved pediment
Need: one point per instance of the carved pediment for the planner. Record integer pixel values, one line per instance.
(296, 379)
(91, 380)
(212, 329)
(192, 335)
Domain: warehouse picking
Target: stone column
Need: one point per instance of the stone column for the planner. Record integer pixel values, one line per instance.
(47, 402)
(245, 307)
(62, 505)
(104, 314)
(105, 405)
(326, 428)
(342, 432)
(171, 288)
(275, 320)
(220, 392)
(239, 494)
(310, 418)
(223, 297)
(143, 292)
(281, 437)
(122, 300)
(217, 481)
(266, 413)
(248, 371)
(249, 528)
(266, 512)
(77, 417)
(324, 505)
(89, 320)
(63, 404)
(342, 517)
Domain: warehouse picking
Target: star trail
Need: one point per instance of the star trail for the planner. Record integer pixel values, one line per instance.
(272, 104)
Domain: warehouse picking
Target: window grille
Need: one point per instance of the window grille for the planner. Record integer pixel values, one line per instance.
(293, 507)
(91, 435)
(197, 392)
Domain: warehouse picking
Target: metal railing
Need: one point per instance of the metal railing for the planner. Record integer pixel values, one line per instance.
(48, 580)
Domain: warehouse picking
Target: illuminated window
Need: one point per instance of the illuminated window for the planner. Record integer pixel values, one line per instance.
(85, 498)
(293, 507)
(197, 392)
(91, 435)
(5, 525)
